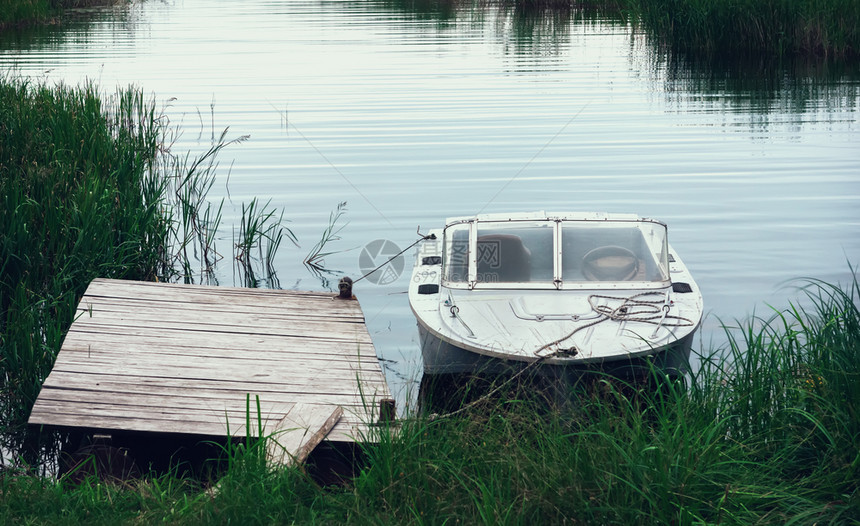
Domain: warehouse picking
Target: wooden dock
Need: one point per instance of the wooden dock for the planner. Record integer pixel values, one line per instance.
(167, 358)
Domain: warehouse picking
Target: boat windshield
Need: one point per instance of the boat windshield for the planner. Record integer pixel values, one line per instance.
(554, 253)
(515, 252)
(614, 251)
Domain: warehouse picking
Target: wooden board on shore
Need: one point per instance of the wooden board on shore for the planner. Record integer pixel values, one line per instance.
(299, 433)
(189, 359)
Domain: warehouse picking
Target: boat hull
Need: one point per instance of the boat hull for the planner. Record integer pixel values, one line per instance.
(444, 357)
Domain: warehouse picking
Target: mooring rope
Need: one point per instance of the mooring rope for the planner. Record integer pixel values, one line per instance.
(420, 239)
(495, 390)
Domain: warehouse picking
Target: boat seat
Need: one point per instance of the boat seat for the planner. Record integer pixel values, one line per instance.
(503, 258)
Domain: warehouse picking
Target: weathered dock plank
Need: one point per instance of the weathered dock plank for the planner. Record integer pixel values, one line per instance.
(225, 342)
(299, 432)
(186, 359)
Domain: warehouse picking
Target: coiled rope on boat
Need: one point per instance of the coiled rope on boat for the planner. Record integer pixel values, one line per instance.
(631, 309)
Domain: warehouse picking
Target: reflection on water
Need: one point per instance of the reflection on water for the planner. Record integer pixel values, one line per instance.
(79, 27)
(416, 111)
(760, 88)
(440, 11)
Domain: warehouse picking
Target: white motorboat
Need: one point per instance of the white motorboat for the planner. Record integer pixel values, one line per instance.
(575, 290)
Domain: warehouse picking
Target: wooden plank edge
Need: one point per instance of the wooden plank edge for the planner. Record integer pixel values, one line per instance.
(290, 443)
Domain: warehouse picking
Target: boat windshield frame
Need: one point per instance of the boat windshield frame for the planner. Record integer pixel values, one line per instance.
(555, 253)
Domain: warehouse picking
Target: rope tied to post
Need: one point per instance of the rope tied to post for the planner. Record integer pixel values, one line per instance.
(395, 256)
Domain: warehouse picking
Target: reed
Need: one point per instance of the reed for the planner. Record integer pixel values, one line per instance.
(16, 12)
(261, 231)
(196, 219)
(822, 30)
(316, 257)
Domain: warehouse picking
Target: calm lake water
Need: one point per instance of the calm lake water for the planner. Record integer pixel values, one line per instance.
(411, 117)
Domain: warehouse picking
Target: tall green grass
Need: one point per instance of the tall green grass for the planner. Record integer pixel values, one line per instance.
(79, 200)
(766, 432)
(89, 188)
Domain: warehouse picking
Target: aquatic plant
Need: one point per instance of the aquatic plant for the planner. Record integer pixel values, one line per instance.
(701, 29)
(260, 228)
(316, 257)
(14, 12)
(196, 219)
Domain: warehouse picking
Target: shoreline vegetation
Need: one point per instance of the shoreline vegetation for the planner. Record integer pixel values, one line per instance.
(766, 431)
(702, 29)
(20, 13)
(823, 29)
(708, 30)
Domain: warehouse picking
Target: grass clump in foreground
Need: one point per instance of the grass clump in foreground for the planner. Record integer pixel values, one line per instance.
(768, 434)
